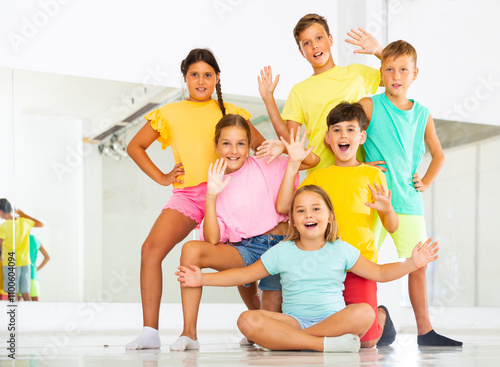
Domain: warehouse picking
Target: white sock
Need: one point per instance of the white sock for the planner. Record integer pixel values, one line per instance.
(185, 343)
(149, 339)
(342, 343)
(244, 342)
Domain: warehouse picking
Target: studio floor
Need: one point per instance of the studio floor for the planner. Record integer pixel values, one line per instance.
(221, 348)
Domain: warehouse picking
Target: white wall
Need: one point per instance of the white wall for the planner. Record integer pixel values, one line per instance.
(6, 134)
(459, 75)
(146, 41)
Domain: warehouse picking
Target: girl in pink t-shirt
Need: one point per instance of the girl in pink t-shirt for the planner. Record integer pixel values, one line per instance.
(241, 221)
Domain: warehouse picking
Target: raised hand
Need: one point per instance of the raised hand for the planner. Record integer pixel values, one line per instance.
(377, 164)
(381, 198)
(296, 150)
(270, 148)
(368, 43)
(171, 177)
(266, 83)
(418, 184)
(189, 276)
(424, 253)
(215, 182)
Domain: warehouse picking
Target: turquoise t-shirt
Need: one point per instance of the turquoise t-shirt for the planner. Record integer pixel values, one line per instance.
(397, 137)
(35, 245)
(312, 282)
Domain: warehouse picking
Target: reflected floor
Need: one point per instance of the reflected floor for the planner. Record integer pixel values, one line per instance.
(220, 348)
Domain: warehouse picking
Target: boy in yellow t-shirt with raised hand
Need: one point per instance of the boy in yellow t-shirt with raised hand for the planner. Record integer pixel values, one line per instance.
(357, 191)
(310, 101)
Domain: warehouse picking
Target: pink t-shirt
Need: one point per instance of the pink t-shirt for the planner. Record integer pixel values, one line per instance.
(247, 206)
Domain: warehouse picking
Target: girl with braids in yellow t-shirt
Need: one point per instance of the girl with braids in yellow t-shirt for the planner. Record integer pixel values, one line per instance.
(188, 127)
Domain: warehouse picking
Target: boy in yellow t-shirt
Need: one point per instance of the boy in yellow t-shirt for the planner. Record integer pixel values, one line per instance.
(310, 101)
(357, 192)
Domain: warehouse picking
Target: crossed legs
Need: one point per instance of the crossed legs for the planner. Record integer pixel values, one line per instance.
(282, 332)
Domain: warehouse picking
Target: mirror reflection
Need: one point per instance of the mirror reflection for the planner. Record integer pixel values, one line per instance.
(72, 173)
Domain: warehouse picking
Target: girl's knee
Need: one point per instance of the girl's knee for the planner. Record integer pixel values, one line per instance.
(191, 253)
(154, 250)
(250, 321)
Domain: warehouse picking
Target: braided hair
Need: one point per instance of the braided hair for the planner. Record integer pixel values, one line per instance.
(205, 55)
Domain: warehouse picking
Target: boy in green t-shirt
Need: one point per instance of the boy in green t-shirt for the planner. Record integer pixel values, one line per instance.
(398, 131)
(310, 101)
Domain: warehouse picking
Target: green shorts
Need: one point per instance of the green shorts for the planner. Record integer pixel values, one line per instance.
(35, 288)
(411, 231)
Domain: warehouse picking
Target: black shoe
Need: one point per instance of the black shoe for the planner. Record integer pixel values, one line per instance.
(433, 339)
(389, 332)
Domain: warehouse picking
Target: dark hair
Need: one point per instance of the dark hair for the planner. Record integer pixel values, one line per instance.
(232, 120)
(331, 229)
(5, 206)
(346, 111)
(399, 48)
(205, 55)
(306, 21)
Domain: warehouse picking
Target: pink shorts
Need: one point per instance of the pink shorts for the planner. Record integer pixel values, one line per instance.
(361, 290)
(189, 201)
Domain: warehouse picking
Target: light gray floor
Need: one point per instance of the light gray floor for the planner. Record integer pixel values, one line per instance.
(221, 348)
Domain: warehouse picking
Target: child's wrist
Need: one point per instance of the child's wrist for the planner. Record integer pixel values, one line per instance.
(212, 196)
(268, 97)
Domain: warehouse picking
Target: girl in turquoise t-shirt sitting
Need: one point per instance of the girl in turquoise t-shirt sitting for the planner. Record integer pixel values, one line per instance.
(312, 263)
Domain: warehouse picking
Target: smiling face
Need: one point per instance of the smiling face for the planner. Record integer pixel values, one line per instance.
(398, 74)
(311, 216)
(233, 146)
(344, 138)
(314, 45)
(201, 79)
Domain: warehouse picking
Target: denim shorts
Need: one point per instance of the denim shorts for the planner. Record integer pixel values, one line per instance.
(251, 249)
(23, 279)
(306, 322)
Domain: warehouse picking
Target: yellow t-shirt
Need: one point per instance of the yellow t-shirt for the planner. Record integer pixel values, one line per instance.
(22, 236)
(311, 101)
(189, 127)
(348, 189)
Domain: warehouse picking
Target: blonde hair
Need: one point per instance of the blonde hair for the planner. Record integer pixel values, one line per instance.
(399, 48)
(331, 233)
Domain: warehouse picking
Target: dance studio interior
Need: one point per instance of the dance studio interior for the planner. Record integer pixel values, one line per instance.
(77, 78)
